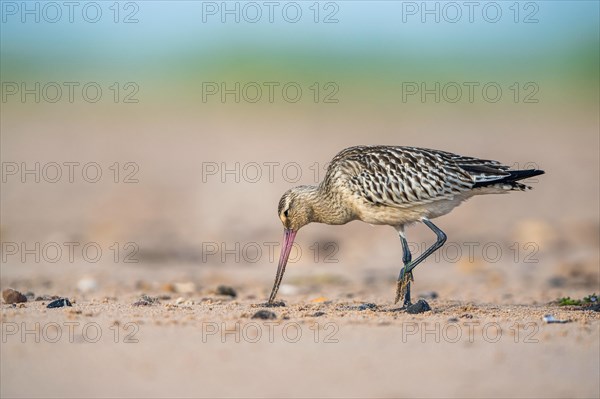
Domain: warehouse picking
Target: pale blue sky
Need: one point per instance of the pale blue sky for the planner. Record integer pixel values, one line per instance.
(176, 27)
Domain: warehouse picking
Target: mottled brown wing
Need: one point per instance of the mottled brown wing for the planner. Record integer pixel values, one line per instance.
(408, 176)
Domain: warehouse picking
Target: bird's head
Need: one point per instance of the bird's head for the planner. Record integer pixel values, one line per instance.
(295, 210)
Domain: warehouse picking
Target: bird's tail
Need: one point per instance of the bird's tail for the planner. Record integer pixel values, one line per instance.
(511, 181)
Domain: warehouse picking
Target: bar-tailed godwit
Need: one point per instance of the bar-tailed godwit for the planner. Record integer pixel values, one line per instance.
(395, 186)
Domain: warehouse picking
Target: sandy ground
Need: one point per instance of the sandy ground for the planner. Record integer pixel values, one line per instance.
(336, 336)
(484, 336)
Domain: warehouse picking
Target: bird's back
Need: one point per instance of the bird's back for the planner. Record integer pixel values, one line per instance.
(402, 177)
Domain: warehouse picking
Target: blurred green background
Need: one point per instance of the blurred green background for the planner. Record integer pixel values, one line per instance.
(367, 48)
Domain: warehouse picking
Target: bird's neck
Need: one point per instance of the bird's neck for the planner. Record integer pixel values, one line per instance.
(326, 206)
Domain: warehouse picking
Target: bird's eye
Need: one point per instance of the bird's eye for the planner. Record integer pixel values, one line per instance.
(285, 213)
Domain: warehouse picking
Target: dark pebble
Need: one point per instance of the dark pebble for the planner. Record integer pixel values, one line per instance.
(318, 314)
(453, 320)
(30, 296)
(419, 307)
(264, 315)
(11, 296)
(226, 290)
(365, 306)
(278, 304)
(59, 303)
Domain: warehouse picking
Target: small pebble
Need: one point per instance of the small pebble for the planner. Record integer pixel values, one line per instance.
(226, 290)
(288, 289)
(59, 303)
(46, 298)
(87, 284)
(185, 288)
(429, 295)
(30, 296)
(264, 315)
(146, 300)
(419, 307)
(550, 319)
(277, 304)
(318, 314)
(11, 296)
(365, 306)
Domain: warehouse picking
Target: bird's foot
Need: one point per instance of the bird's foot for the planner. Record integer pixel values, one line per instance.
(403, 288)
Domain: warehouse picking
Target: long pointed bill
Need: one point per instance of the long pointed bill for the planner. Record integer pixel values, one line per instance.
(288, 241)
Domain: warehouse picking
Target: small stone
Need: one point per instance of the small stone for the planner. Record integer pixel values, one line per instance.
(277, 304)
(550, 319)
(226, 290)
(453, 320)
(320, 299)
(420, 307)
(167, 287)
(185, 288)
(59, 303)
(365, 306)
(30, 296)
(288, 289)
(146, 300)
(429, 295)
(46, 298)
(264, 315)
(13, 296)
(87, 284)
(318, 314)
(143, 285)
(180, 300)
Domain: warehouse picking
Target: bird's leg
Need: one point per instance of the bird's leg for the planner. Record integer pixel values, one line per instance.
(404, 279)
(406, 272)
